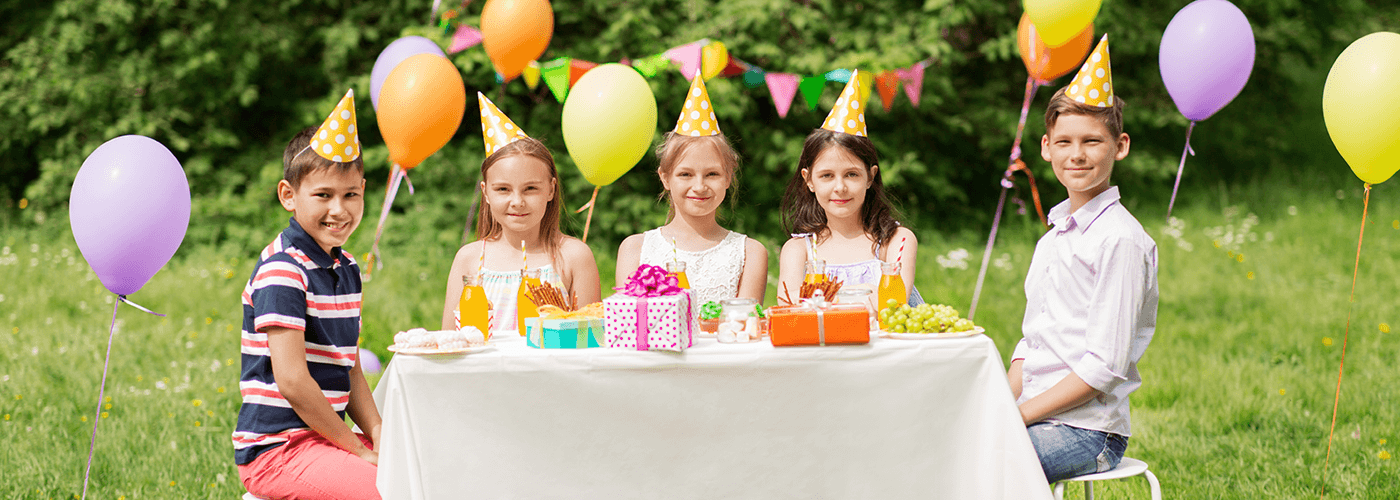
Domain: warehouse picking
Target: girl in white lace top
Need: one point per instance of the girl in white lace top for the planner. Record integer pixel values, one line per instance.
(697, 166)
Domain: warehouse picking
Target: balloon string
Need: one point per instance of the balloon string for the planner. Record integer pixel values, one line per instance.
(122, 298)
(1351, 306)
(101, 392)
(589, 206)
(396, 175)
(1182, 167)
(1031, 87)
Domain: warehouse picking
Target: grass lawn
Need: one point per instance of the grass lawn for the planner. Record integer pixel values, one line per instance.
(1236, 402)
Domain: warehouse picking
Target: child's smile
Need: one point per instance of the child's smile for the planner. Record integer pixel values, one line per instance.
(839, 179)
(517, 191)
(698, 181)
(328, 204)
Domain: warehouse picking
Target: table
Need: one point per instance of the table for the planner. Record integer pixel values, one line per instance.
(891, 419)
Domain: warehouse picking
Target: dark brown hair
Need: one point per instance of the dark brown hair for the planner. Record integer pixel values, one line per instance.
(803, 214)
(674, 146)
(1109, 116)
(298, 160)
(488, 229)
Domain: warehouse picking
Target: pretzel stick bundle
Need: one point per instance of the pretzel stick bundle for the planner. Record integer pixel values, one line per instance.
(829, 287)
(548, 294)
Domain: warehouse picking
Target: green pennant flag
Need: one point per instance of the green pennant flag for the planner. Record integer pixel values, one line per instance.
(754, 77)
(556, 76)
(811, 88)
(650, 66)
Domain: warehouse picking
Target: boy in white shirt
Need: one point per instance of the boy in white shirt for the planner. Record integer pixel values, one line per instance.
(1091, 291)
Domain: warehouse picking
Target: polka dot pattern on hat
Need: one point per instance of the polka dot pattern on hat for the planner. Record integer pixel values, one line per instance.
(848, 116)
(339, 128)
(1093, 85)
(496, 128)
(696, 118)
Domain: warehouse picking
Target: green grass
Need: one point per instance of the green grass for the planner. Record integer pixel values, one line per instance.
(1236, 402)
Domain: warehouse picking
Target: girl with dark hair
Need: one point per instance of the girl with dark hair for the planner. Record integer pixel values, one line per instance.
(836, 208)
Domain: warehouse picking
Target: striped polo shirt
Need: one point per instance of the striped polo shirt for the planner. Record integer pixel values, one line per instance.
(296, 285)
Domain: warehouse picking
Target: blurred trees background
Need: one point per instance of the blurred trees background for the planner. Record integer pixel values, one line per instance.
(225, 84)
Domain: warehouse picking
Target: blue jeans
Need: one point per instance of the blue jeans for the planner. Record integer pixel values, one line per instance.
(1067, 451)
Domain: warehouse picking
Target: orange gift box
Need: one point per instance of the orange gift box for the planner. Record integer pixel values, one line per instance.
(808, 325)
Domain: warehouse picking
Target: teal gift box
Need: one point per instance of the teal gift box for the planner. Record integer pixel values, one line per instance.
(563, 333)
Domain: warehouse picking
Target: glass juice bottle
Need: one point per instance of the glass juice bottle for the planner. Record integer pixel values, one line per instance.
(472, 309)
(891, 287)
(677, 269)
(524, 307)
(816, 272)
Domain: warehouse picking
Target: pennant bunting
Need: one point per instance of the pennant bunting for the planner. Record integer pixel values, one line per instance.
(577, 68)
(838, 75)
(811, 87)
(532, 74)
(714, 57)
(735, 68)
(867, 83)
(913, 79)
(887, 83)
(651, 66)
(556, 76)
(689, 57)
(754, 77)
(783, 87)
(465, 38)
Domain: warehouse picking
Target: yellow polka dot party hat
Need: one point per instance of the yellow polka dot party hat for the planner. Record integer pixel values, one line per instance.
(338, 139)
(496, 128)
(1093, 85)
(848, 116)
(698, 117)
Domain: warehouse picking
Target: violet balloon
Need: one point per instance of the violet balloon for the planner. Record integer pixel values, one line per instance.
(394, 54)
(1206, 57)
(129, 209)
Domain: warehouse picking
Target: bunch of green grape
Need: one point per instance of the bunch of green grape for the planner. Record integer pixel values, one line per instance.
(924, 318)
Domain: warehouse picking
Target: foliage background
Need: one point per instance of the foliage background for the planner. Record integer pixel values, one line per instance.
(224, 84)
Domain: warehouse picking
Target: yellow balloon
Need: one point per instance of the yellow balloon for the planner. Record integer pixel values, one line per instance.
(1058, 21)
(714, 58)
(609, 122)
(1361, 105)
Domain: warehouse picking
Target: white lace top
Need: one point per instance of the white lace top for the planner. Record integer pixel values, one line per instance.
(713, 273)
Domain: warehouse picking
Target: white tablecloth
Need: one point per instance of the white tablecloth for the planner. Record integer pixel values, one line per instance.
(890, 420)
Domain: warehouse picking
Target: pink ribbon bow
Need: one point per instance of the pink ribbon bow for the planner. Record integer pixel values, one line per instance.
(651, 281)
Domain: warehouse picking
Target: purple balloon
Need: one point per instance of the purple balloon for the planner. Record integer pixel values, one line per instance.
(394, 54)
(1207, 55)
(129, 209)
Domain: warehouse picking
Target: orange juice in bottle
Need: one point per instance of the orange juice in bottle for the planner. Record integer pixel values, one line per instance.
(472, 309)
(816, 272)
(891, 287)
(524, 307)
(677, 269)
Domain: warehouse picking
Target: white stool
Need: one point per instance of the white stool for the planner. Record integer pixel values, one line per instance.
(1128, 467)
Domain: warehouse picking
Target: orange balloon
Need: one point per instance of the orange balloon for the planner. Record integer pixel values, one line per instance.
(1047, 63)
(420, 106)
(515, 32)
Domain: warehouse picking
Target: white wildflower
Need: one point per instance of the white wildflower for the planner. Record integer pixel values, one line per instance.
(160, 384)
(33, 248)
(1292, 210)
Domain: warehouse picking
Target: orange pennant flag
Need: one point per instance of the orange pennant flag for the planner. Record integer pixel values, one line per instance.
(887, 83)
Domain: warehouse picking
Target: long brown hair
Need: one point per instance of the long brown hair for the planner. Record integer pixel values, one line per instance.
(488, 229)
(673, 147)
(803, 214)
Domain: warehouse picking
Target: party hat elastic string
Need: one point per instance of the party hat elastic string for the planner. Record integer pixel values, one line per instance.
(1182, 167)
(1351, 306)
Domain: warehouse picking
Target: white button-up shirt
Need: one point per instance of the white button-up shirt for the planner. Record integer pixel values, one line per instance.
(1091, 309)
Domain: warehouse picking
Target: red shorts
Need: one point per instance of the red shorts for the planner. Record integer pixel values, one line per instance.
(310, 467)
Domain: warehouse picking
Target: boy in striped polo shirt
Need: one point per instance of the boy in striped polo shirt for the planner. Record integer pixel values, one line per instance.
(301, 326)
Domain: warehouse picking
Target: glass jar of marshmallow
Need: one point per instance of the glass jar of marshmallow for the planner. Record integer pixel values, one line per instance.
(739, 321)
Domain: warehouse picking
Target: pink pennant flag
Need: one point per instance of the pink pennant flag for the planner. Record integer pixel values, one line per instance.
(783, 86)
(465, 38)
(689, 57)
(913, 79)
